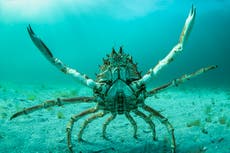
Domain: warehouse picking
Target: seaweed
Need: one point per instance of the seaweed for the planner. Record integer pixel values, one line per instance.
(73, 92)
(222, 119)
(31, 97)
(3, 115)
(208, 110)
(208, 119)
(60, 115)
(61, 94)
(66, 93)
(194, 123)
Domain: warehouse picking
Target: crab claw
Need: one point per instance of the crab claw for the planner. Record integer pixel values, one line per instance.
(37, 41)
(58, 63)
(188, 26)
(178, 48)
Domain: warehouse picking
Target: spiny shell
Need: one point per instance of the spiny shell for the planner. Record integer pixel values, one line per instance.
(118, 65)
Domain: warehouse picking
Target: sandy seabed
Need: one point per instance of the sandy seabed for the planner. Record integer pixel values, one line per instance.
(199, 115)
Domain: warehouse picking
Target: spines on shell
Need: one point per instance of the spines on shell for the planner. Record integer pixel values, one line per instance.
(118, 60)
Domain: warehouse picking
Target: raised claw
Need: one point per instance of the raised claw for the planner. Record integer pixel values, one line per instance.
(188, 25)
(176, 49)
(192, 11)
(58, 63)
(39, 43)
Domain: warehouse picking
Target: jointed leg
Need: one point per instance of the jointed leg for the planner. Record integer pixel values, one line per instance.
(180, 80)
(58, 63)
(112, 117)
(164, 121)
(147, 120)
(133, 122)
(87, 121)
(178, 48)
(50, 103)
(71, 123)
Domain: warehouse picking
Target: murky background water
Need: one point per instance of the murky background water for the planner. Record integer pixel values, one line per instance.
(81, 33)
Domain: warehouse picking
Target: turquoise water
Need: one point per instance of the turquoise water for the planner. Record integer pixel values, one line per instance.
(82, 33)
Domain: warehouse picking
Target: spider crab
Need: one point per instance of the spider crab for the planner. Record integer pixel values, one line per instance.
(118, 89)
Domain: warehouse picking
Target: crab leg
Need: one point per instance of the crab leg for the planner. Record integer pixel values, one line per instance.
(109, 120)
(164, 121)
(147, 120)
(177, 49)
(133, 122)
(87, 121)
(58, 63)
(180, 80)
(50, 103)
(73, 120)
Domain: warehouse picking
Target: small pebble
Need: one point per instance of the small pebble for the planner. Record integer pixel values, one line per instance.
(204, 149)
(221, 139)
(204, 131)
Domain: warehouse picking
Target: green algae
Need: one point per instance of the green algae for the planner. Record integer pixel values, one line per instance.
(222, 120)
(208, 119)
(31, 97)
(3, 114)
(66, 93)
(196, 122)
(208, 110)
(60, 115)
